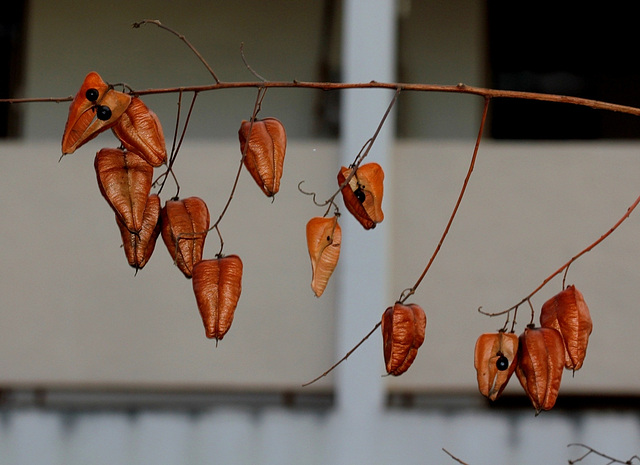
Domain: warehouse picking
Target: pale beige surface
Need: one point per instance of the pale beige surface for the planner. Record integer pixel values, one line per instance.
(72, 310)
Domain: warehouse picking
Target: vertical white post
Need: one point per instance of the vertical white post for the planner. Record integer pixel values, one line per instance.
(368, 53)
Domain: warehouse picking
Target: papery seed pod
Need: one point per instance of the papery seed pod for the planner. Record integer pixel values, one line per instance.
(568, 313)
(324, 237)
(125, 181)
(140, 131)
(264, 157)
(95, 108)
(139, 246)
(403, 328)
(495, 361)
(185, 223)
(540, 365)
(362, 195)
(217, 284)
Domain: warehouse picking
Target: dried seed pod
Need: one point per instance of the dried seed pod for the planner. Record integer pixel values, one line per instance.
(495, 361)
(403, 328)
(95, 108)
(185, 224)
(324, 237)
(568, 313)
(140, 131)
(540, 365)
(362, 195)
(264, 157)
(217, 284)
(125, 181)
(138, 247)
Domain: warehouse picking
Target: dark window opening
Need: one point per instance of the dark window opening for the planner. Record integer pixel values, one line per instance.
(582, 50)
(12, 31)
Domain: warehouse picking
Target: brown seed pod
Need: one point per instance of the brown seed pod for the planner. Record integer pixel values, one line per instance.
(495, 361)
(125, 181)
(140, 131)
(568, 313)
(324, 237)
(363, 194)
(540, 365)
(217, 284)
(138, 247)
(264, 157)
(95, 108)
(185, 224)
(403, 328)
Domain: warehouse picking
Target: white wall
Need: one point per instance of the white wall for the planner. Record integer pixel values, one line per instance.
(73, 312)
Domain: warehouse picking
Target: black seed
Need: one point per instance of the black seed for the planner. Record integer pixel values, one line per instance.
(502, 363)
(103, 112)
(359, 195)
(92, 94)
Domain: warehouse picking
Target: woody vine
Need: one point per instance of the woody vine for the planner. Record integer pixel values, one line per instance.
(125, 175)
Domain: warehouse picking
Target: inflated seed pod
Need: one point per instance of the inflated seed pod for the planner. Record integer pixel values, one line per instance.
(140, 131)
(95, 108)
(403, 328)
(124, 179)
(217, 284)
(138, 247)
(540, 365)
(264, 156)
(568, 313)
(324, 237)
(495, 361)
(185, 223)
(362, 195)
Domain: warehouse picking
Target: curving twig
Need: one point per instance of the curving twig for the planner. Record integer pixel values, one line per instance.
(408, 292)
(568, 264)
(591, 450)
(182, 38)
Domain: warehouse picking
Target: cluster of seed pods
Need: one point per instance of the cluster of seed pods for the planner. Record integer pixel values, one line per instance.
(125, 178)
(540, 354)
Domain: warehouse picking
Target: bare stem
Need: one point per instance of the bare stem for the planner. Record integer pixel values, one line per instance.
(591, 450)
(458, 89)
(405, 295)
(346, 356)
(183, 39)
(566, 265)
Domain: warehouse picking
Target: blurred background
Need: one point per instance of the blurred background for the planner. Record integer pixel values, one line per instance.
(99, 364)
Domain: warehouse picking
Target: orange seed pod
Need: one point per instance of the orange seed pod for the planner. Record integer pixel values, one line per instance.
(568, 313)
(403, 328)
(495, 361)
(217, 284)
(140, 131)
(185, 224)
(95, 108)
(138, 247)
(264, 157)
(362, 195)
(540, 365)
(324, 237)
(125, 181)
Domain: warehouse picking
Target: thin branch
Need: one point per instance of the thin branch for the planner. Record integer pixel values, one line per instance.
(566, 265)
(591, 450)
(459, 89)
(183, 39)
(405, 295)
(346, 356)
(454, 457)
